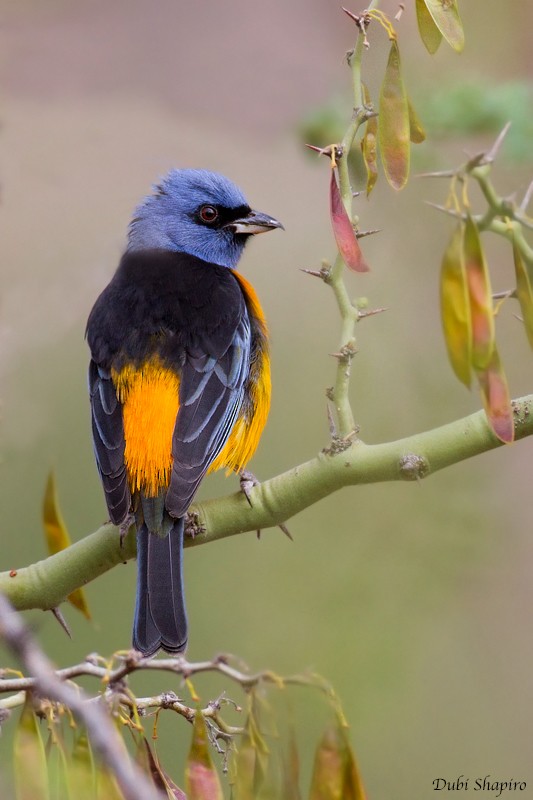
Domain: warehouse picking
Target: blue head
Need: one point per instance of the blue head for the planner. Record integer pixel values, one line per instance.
(197, 212)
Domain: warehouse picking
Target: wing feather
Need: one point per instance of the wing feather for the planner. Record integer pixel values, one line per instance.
(211, 396)
(108, 441)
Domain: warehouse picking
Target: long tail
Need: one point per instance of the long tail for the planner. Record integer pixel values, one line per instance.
(160, 616)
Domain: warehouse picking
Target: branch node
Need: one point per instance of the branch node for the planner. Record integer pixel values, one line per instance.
(346, 353)
(413, 467)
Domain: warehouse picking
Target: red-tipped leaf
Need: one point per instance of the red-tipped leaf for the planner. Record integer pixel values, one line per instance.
(344, 232)
(201, 777)
(496, 399)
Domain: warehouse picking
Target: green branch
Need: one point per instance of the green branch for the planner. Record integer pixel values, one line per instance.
(47, 583)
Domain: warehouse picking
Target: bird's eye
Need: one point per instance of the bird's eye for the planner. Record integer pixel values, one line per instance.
(208, 214)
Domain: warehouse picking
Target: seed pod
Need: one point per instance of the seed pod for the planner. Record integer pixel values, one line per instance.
(455, 307)
(393, 129)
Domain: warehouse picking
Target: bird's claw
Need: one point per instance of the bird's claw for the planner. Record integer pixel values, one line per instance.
(124, 527)
(193, 525)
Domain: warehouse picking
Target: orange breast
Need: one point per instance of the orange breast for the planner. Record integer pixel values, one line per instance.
(150, 398)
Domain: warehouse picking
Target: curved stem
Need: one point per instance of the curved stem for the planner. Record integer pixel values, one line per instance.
(47, 583)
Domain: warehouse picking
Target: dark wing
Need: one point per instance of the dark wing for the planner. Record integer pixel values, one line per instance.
(108, 441)
(211, 396)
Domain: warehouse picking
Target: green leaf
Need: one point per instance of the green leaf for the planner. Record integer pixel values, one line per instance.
(480, 297)
(30, 767)
(201, 778)
(58, 770)
(393, 128)
(524, 292)
(429, 33)
(496, 399)
(455, 307)
(82, 771)
(58, 538)
(446, 17)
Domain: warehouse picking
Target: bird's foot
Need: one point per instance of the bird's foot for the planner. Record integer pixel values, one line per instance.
(124, 527)
(248, 480)
(193, 525)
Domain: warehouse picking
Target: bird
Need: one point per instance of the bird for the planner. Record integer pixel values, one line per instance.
(179, 377)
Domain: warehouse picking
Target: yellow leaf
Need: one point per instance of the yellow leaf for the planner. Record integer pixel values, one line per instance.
(369, 146)
(455, 307)
(393, 128)
(524, 292)
(479, 295)
(429, 33)
(446, 17)
(57, 537)
(335, 773)
(417, 133)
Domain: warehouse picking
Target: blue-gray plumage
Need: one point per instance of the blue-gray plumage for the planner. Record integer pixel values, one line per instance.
(168, 219)
(175, 315)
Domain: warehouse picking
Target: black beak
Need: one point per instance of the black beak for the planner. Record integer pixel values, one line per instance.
(254, 222)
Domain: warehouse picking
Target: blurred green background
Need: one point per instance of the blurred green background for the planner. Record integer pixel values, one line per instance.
(414, 600)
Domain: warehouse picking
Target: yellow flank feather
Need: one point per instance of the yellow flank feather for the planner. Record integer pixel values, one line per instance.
(150, 398)
(246, 432)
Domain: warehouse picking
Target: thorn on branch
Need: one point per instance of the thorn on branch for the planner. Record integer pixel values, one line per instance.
(346, 353)
(324, 273)
(527, 198)
(362, 21)
(370, 313)
(362, 234)
(62, 621)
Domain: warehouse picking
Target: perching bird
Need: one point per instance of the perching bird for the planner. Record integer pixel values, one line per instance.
(179, 377)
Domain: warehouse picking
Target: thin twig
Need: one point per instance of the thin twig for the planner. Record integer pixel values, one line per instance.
(132, 781)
